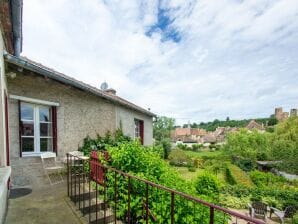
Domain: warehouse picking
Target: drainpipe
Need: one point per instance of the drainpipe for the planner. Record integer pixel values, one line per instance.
(16, 15)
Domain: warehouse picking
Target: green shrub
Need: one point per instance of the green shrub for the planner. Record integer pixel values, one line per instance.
(229, 177)
(239, 175)
(196, 147)
(166, 145)
(191, 169)
(235, 202)
(182, 146)
(262, 179)
(245, 164)
(178, 157)
(207, 184)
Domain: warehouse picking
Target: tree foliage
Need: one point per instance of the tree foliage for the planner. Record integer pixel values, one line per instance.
(162, 127)
(212, 125)
(281, 145)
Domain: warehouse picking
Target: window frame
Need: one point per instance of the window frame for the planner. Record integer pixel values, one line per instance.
(36, 129)
(139, 130)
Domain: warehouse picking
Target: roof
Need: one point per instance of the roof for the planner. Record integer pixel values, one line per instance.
(11, 25)
(60, 77)
(254, 125)
(190, 131)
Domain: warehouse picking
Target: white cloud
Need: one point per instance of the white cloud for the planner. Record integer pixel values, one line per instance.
(235, 58)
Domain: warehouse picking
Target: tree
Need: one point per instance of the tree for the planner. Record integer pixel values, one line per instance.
(162, 127)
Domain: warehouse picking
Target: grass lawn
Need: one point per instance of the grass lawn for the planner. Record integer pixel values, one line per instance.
(203, 153)
(186, 174)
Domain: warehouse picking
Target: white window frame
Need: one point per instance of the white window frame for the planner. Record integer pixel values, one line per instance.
(137, 129)
(36, 137)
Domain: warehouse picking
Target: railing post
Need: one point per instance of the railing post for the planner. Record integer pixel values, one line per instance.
(75, 172)
(96, 175)
(89, 190)
(67, 162)
(79, 172)
(211, 219)
(147, 203)
(104, 192)
(172, 207)
(115, 192)
(128, 194)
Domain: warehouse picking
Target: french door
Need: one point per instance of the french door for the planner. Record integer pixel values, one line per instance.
(35, 129)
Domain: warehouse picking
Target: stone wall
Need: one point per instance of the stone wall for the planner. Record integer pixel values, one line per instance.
(79, 114)
(2, 106)
(125, 118)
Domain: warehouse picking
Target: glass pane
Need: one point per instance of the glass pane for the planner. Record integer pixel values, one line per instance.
(27, 128)
(44, 114)
(28, 144)
(27, 111)
(45, 144)
(45, 129)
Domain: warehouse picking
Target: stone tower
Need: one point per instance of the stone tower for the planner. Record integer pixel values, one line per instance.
(293, 112)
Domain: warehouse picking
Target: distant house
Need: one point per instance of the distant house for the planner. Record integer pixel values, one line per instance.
(253, 125)
(188, 134)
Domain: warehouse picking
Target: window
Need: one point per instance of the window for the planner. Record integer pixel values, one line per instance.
(139, 130)
(36, 133)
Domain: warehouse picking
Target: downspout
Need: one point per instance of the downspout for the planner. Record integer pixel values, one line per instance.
(16, 14)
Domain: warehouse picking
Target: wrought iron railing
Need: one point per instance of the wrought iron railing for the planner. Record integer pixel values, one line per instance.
(106, 195)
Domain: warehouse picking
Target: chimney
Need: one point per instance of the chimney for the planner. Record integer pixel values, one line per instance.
(111, 91)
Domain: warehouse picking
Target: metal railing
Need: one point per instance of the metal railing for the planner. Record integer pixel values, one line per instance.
(107, 195)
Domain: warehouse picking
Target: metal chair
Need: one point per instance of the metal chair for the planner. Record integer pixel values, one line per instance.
(289, 212)
(258, 208)
(50, 166)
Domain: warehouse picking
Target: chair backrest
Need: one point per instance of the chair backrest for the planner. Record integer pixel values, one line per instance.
(290, 211)
(46, 157)
(76, 153)
(259, 207)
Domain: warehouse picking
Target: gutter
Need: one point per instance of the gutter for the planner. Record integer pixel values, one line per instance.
(17, 14)
(70, 81)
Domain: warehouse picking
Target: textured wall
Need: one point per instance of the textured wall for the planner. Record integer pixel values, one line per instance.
(126, 117)
(2, 107)
(79, 114)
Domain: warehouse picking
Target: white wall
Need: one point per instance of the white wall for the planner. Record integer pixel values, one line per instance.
(126, 118)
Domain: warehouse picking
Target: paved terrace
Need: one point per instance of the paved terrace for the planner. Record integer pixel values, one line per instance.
(48, 204)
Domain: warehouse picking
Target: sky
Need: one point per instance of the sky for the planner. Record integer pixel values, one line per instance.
(191, 60)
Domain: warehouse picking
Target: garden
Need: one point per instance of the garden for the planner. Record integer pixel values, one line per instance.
(225, 175)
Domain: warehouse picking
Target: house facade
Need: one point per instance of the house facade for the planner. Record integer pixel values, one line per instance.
(43, 110)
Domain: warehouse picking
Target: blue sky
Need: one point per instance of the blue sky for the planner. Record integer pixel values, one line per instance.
(191, 60)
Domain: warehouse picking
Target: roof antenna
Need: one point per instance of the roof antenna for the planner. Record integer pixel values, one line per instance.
(104, 86)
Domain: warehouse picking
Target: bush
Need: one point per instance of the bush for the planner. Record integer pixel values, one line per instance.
(245, 164)
(166, 145)
(196, 147)
(229, 177)
(178, 157)
(191, 169)
(207, 184)
(101, 143)
(235, 202)
(262, 179)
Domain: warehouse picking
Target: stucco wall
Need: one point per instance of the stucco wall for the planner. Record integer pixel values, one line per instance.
(126, 118)
(79, 114)
(2, 107)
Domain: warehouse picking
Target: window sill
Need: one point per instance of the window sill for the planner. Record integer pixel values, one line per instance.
(32, 154)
